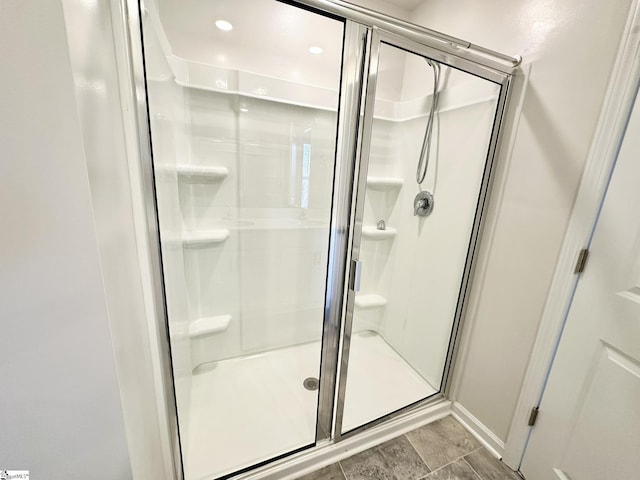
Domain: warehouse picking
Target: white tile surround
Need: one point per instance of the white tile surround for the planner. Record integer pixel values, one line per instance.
(248, 409)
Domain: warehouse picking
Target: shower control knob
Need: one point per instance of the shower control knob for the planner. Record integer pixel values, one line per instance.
(423, 204)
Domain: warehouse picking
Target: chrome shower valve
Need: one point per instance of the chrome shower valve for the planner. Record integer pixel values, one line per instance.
(423, 204)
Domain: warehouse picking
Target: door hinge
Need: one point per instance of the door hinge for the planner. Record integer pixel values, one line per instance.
(582, 260)
(533, 416)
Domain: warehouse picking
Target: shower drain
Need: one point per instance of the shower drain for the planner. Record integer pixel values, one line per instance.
(311, 383)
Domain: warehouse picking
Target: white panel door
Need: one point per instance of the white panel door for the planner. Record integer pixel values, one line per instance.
(589, 422)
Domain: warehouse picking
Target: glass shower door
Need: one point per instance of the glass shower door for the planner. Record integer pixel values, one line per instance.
(243, 116)
(429, 135)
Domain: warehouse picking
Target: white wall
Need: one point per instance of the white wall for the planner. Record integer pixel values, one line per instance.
(60, 413)
(397, 9)
(90, 29)
(571, 47)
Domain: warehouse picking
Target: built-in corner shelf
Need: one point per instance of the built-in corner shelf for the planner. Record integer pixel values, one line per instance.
(208, 325)
(201, 173)
(375, 234)
(384, 183)
(204, 238)
(370, 301)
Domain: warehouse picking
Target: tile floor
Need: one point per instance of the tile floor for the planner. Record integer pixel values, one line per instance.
(442, 450)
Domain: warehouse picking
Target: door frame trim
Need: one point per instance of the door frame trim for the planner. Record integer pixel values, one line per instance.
(607, 139)
(464, 56)
(453, 47)
(126, 15)
(368, 94)
(355, 51)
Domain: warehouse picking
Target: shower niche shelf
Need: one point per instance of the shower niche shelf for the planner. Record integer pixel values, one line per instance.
(370, 301)
(201, 173)
(384, 183)
(209, 325)
(204, 238)
(375, 234)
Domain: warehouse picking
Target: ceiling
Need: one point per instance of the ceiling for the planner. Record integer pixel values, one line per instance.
(268, 37)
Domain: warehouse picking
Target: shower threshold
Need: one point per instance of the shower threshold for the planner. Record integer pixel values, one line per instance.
(249, 409)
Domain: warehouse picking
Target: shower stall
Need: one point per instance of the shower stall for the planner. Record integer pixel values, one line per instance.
(317, 179)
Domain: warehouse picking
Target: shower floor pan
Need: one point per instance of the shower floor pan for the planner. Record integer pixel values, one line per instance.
(249, 409)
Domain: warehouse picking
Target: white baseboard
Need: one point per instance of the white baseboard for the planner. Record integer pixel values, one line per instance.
(485, 436)
(316, 458)
(328, 453)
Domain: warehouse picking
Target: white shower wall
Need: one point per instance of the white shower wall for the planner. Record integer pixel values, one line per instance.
(419, 270)
(254, 236)
(269, 273)
(431, 252)
(253, 228)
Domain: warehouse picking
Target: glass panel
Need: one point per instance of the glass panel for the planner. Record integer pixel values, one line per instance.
(243, 124)
(413, 265)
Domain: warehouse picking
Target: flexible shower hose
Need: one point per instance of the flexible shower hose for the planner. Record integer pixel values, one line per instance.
(423, 162)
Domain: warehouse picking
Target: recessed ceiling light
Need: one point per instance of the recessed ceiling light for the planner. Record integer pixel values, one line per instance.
(315, 50)
(224, 25)
(244, 109)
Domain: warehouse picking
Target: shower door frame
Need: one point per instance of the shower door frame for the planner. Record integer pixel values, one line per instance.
(364, 134)
(368, 29)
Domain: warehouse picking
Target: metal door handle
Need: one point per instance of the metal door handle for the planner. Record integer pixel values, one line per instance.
(356, 273)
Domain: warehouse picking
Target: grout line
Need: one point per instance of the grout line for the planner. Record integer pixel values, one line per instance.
(453, 461)
(425, 477)
(447, 464)
(473, 451)
(473, 469)
(440, 468)
(344, 474)
(421, 457)
(417, 452)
